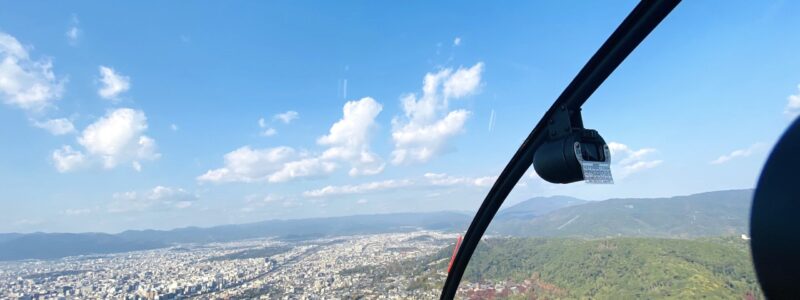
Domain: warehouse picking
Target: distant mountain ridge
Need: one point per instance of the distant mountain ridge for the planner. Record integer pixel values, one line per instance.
(56, 245)
(538, 206)
(705, 214)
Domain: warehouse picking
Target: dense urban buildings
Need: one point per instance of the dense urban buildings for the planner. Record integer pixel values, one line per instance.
(314, 269)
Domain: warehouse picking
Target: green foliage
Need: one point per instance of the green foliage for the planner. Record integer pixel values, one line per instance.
(620, 268)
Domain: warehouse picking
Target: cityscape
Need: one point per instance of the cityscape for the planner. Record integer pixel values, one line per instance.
(266, 268)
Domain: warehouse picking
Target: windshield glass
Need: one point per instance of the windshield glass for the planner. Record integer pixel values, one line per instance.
(339, 150)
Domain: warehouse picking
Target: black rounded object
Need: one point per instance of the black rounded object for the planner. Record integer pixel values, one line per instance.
(775, 219)
(555, 160)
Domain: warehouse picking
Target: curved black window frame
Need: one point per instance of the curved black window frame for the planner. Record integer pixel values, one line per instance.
(633, 30)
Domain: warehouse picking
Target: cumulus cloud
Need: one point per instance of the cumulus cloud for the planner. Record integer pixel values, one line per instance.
(304, 168)
(457, 41)
(739, 153)
(67, 159)
(116, 138)
(626, 161)
(428, 124)
(347, 141)
(286, 117)
(113, 83)
(160, 197)
(119, 137)
(279, 164)
(60, 126)
(26, 83)
(248, 165)
(349, 137)
(793, 106)
(369, 187)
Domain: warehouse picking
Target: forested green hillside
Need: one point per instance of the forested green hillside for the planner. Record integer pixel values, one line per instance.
(570, 268)
(618, 268)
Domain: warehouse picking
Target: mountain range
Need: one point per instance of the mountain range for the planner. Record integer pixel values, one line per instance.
(706, 214)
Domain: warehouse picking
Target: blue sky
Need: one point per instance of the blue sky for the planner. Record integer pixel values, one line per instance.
(122, 116)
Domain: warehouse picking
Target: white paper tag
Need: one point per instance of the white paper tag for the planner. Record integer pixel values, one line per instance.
(595, 172)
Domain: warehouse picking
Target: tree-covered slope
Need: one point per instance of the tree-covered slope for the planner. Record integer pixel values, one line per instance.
(619, 268)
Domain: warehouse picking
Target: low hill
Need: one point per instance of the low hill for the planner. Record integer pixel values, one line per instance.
(619, 268)
(572, 268)
(706, 214)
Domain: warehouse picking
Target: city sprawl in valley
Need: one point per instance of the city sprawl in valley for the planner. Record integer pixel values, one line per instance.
(303, 269)
(556, 247)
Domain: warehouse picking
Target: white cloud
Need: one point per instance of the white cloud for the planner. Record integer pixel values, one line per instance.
(286, 117)
(113, 83)
(740, 153)
(60, 126)
(160, 197)
(304, 168)
(269, 132)
(442, 179)
(115, 138)
(173, 127)
(626, 161)
(348, 138)
(271, 164)
(358, 189)
(457, 41)
(428, 180)
(428, 124)
(277, 164)
(793, 106)
(73, 33)
(67, 159)
(463, 82)
(362, 201)
(26, 83)
(419, 143)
